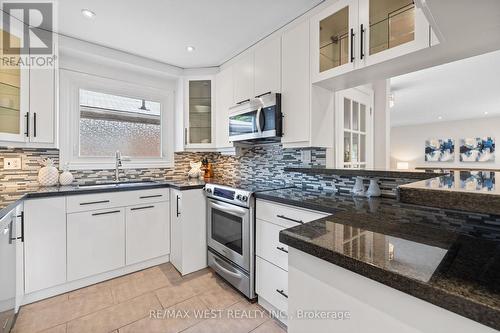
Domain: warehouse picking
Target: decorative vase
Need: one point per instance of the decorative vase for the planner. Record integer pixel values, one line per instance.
(373, 189)
(359, 187)
(66, 177)
(48, 175)
(195, 171)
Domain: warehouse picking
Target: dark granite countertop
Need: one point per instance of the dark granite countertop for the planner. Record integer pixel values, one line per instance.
(377, 173)
(433, 254)
(11, 197)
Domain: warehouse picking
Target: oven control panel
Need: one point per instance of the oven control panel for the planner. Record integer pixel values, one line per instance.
(228, 194)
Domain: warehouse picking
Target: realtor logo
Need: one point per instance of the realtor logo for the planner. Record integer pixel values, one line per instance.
(31, 24)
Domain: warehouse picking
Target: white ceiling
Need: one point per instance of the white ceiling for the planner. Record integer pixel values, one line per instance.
(162, 29)
(464, 89)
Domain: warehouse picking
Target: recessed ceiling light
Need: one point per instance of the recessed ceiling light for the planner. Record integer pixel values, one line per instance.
(190, 48)
(485, 113)
(439, 117)
(88, 13)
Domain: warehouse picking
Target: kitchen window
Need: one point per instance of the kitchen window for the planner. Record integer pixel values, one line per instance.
(106, 116)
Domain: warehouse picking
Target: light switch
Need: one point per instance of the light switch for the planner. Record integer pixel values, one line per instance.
(12, 163)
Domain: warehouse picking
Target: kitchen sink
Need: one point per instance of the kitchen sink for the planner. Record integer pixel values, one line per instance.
(116, 184)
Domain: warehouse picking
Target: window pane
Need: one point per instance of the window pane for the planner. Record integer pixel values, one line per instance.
(355, 148)
(362, 118)
(347, 113)
(200, 111)
(362, 148)
(347, 147)
(109, 123)
(355, 116)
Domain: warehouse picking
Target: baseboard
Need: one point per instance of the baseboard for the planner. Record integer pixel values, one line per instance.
(73, 285)
(273, 311)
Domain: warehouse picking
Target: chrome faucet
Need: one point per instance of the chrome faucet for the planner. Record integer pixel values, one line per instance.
(118, 165)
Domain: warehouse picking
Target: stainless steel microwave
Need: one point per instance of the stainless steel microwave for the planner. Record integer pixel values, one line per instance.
(256, 119)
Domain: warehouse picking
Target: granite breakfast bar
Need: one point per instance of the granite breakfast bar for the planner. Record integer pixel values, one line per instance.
(399, 267)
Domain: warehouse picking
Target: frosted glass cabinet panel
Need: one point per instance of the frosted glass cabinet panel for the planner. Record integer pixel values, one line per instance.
(199, 116)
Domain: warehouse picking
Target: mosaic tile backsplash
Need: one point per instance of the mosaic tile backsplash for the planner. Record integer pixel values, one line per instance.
(258, 163)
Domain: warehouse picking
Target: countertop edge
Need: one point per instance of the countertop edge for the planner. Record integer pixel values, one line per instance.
(481, 313)
(417, 175)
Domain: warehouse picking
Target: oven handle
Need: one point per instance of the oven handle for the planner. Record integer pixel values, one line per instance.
(228, 208)
(225, 270)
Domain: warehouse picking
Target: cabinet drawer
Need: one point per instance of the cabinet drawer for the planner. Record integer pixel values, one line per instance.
(87, 202)
(145, 196)
(268, 245)
(272, 284)
(285, 216)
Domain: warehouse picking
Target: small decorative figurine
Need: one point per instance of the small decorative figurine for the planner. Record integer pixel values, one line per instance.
(373, 189)
(195, 171)
(359, 187)
(66, 178)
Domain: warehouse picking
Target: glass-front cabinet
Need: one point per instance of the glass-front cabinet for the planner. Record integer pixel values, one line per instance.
(199, 115)
(391, 28)
(352, 34)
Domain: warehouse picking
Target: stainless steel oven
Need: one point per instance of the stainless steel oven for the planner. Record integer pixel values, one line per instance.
(230, 236)
(256, 119)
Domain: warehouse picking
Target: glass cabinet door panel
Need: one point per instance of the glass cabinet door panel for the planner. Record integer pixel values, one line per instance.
(200, 112)
(392, 23)
(334, 40)
(10, 96)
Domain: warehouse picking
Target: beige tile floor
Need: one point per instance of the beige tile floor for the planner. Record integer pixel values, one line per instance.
(157, 299)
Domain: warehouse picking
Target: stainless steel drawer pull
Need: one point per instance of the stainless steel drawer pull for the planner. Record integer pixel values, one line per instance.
(282, 293)
(105, 213)
(151, 196)
(289, 219)
(93, 202)
(281, 248)
(139, 208)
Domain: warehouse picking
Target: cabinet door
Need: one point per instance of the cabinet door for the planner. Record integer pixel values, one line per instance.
(14, 101)
(42, 108)
(267, 69)
(296, 90)
(390, 29)
(200, 97)
(44, 243)
(243, 76)
(333, 40)
(147, 232)
(176, 229)
(96, 242)
(223, 101)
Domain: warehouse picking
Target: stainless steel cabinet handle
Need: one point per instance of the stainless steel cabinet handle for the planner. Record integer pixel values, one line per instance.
(281, 248)
(362, 46)
(290, 219)
(282, 293)
(105, 213)
(177, 208)
(27, 132)
(151, 196)
(34, 124)
(352, 45)
(93, 202)
(139, 208)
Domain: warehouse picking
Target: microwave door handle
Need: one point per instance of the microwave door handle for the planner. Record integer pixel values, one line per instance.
(257, 120)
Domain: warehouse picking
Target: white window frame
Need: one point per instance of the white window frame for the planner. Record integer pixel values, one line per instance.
(69, 123)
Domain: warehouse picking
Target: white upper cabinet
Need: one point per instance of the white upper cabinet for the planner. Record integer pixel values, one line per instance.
(389, 29)
(267, 67)
(199, 114)
(243, 76)
(333, 42)
(41, 105)
(223, 101)
(352, 34)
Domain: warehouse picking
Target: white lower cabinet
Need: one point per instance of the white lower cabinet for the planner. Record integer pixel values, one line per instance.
(44, 243)
(96, 242)
(147, 232)
(271, 262)
(188, 230)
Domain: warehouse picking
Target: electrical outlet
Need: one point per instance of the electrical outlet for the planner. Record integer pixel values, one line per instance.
(12, 163)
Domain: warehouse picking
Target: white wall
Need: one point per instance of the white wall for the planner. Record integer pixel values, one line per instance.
(381, 124)
(408, 142)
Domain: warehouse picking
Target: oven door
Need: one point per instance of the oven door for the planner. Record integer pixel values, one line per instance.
(228, 232)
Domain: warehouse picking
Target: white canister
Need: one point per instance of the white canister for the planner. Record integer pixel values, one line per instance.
(373, 189)
(359, 187)
(48, 175)
(66, 177)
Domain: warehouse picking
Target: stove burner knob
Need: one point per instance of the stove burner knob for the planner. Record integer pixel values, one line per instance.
(238, 197)
(244, 198)
(208, 190)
